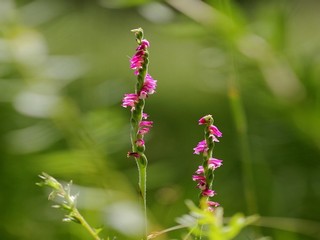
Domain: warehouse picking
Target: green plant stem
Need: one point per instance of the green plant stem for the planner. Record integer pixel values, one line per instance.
(141, 161)
(241, 128)
(143, 191)
(86, 225)
(136, 118)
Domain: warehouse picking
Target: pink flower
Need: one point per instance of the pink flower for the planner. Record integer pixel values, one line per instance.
(212, 205)
(143, 131)
(148, 87)
(204, 120)
(208, 192)
(130, 100)
(214, 163)
(202, 185)
(200, 170)
(198, 178)
(143, 45)
(137, 60)
(145, 116)
(201, 147)
(146, 124)
(140, 142)
(214, 138)
(215, 131)
(144, 127)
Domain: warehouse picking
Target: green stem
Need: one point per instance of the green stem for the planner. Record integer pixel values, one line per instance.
(136, 118)
(241, 128)
(141, 163)
(85, 224)
(143, 191)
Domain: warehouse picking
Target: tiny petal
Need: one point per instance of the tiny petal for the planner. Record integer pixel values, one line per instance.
(214, 163)
(201, 147)
(143, 94)
(200, 170)
(143, 45)
(149, 85)
(140, 142)
(215, 131)
(130, 100)
(214, 138)
(202, 185)
(206, 119)
(213, 204)
(143, 131)
(145, 116)
(146, 124)
(133, 154)
(198, 178)
(208, 193)
(137, 60)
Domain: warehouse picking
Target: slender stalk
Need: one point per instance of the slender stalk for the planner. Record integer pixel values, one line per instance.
(86, 225)
(240, 121)
(139, 126)
(141, 162)
(143, 192)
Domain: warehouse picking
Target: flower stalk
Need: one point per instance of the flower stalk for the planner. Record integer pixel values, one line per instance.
(205, 173)
(145, 86)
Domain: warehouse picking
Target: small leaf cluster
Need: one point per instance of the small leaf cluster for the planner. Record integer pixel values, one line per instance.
(211, 226)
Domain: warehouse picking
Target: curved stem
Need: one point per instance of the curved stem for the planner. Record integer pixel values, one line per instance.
(85, 224)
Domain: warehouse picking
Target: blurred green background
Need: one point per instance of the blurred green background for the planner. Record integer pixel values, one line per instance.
(253, 65)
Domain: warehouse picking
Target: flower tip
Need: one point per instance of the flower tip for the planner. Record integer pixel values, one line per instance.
(136, 30)
(206, 119)
(139, 34)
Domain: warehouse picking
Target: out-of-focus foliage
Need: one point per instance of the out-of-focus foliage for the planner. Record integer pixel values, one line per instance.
(210, 225)
(64, 68)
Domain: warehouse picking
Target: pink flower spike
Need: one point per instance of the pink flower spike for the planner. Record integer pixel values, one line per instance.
(129, 100)
(215, 131)
(208, 193)
(137, 60)
(214, 163)
(201, 147)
